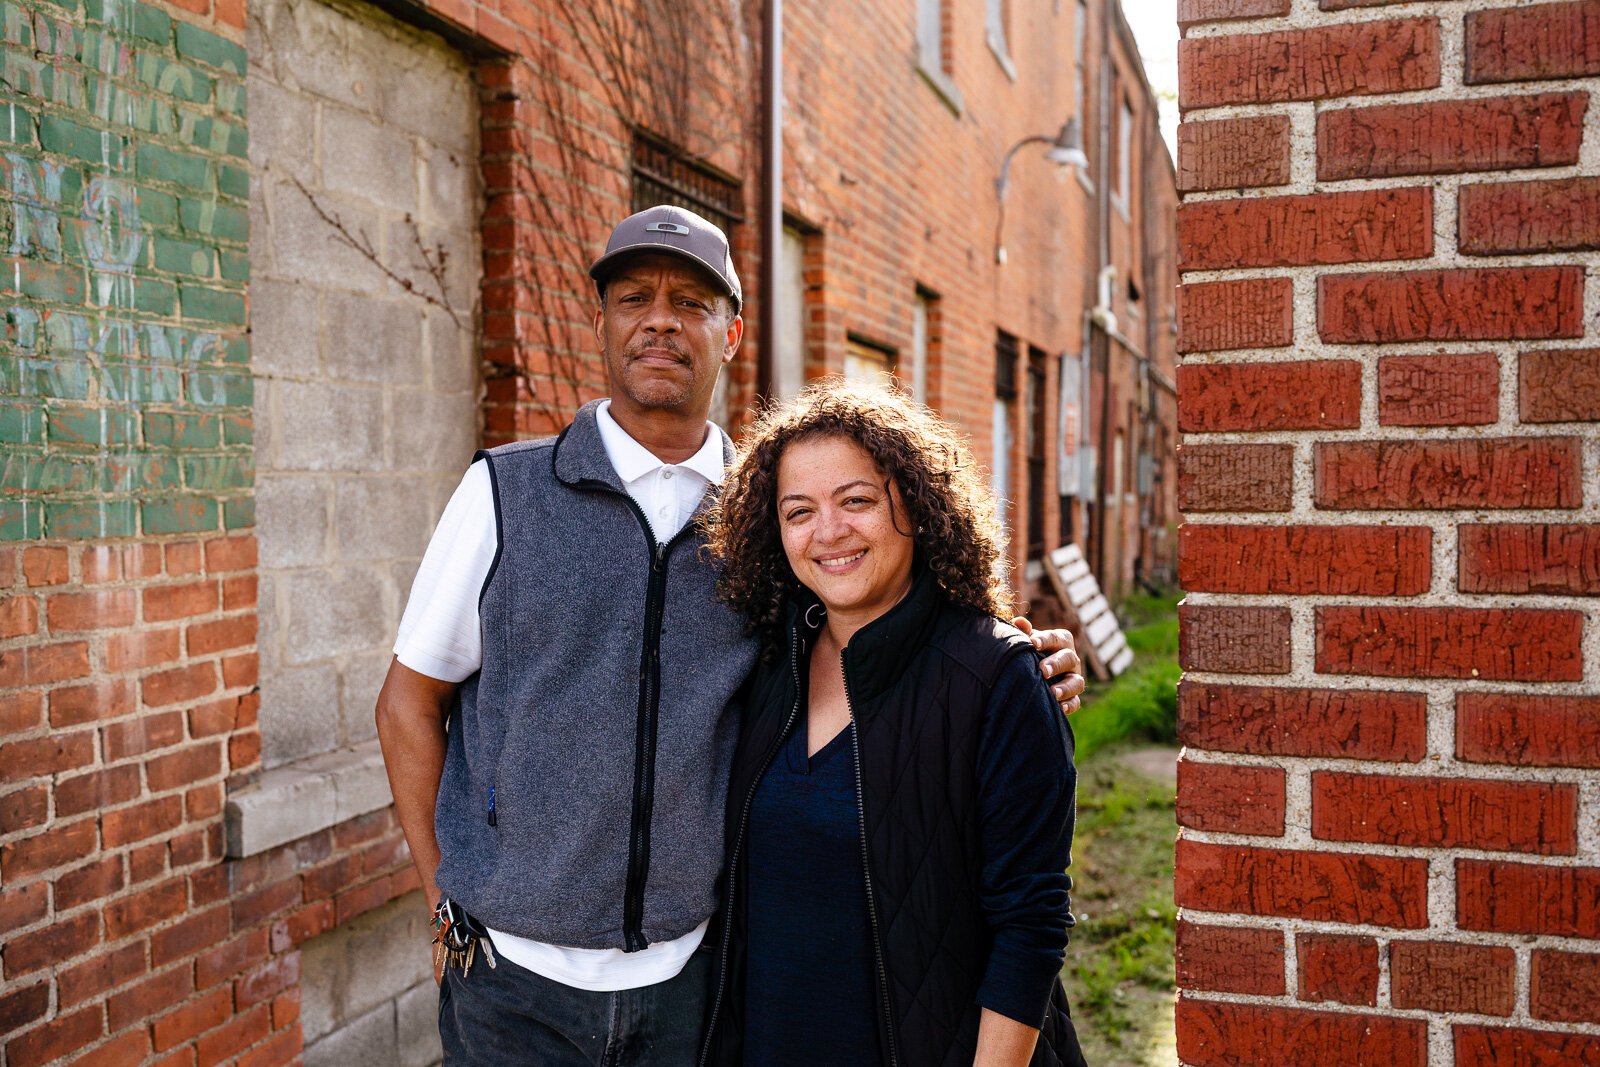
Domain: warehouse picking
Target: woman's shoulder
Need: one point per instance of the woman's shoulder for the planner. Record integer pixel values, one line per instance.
(978, 641)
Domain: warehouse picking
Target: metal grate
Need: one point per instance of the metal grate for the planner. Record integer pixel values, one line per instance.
(662, 174)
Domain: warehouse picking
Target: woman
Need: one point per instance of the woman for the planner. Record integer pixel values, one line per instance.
(900, 808)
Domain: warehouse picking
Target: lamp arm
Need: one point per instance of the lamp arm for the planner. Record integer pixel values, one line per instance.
(1002, 182)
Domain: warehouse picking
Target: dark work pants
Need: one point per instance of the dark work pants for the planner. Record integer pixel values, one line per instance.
(508, 1015)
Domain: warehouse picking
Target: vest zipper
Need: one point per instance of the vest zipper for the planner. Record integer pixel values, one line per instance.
(866, 871)
(644, 764)
(738, 840)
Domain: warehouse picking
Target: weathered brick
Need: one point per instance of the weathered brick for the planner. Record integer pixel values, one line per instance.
(1235, 477)
(189, 936)
(1310, 229)
(1339, 968)
(1275, 721)
(1498, 218)
(20, 712)
(1301, 395)
(23, 809)
(1538, 817)
(1564, 986)
(1332, 560)
(23, 905)
(142, 648)
(92, 881)
(1528, 729)
(45, 565)
(1354, 59)
(1225, 1034)
(1530, 43)
(1562, 559)
(55, 944)
(93, 978)
(139, 1003)
(20, 1007)
(127, 825)
(180, 684)
(1519, 898)
(192, 1019)
(1506, 472)
(19, 616)
(1491, 303)
(1403, 642)
(75, 705)
(184, 558)
(1193, 11)
(1234, 640)
(230, 554)
(1493, 1046)
(102, 788)
(164, 603)
(1442, 976)
(1233, 153)
(1243, 313)
(131, 1047)
(1561, 386)
(1451, 136)
(267, 981)
(145, 908)
(1438, 390)
(229, 959)
(1230, 959)
(44, 664)
(222, 634)
(1230, 799)
(143, 734)
(48, 755)
(56, 1039)
(1317, 886)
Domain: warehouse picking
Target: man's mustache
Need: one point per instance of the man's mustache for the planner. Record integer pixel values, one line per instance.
(673, 347)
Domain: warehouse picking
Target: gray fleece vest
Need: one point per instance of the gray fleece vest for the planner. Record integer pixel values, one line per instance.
(587, 763)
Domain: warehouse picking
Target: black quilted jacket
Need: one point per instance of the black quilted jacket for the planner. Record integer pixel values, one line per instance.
(917, 679)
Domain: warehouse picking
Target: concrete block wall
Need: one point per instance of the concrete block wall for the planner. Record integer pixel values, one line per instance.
(1388, 394)
(367, 396)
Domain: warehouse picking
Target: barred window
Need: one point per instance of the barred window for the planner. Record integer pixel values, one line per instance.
(662, 174)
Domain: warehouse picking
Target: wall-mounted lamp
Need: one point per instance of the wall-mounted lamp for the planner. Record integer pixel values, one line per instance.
(1066, 150)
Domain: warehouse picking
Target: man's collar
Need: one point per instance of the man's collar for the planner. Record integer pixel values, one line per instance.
(633, 461)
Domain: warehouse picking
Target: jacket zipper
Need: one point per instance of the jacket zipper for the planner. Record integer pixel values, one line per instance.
(738, 841)
(866, 872)
(644, 764)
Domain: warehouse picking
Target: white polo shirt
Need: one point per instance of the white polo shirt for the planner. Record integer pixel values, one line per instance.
(440, 637)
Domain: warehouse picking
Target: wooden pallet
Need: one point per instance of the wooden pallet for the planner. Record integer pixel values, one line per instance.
(1105, 650)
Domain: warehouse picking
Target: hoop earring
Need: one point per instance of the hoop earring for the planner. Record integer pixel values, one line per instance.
(810, 625)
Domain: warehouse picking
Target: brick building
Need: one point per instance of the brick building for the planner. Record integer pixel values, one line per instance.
(1389, 468)
(273, 272)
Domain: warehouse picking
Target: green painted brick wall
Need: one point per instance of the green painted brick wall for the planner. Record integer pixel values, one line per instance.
(125, 389)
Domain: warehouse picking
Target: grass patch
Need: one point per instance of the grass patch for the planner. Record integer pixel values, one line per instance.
(1142, 703)
(1119, 972)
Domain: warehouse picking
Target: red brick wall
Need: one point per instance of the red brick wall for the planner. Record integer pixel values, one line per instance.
(1390, 821)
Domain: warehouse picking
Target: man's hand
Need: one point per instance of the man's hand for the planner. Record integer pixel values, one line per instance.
(1062, 668)
(411, 715)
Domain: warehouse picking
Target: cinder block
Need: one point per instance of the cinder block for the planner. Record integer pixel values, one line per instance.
(292, 520)
(329, 427)
(299, 711)
(369, 339)
(334, 611)
(362, 156)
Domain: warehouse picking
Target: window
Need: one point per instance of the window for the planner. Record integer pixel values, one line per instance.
(662, 174)
(933, 51)
(1037, 437)
(868, 362)
(923, 314)
(994, 29)
(1005, 395)
(789, 354)
(1124, 157)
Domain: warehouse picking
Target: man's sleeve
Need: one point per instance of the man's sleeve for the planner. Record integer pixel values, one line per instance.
(439, 634)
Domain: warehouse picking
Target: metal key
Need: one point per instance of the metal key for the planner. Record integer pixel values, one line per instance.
(488, 952)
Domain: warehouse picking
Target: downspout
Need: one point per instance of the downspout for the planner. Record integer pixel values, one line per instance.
(772, 190)
(1102, 309)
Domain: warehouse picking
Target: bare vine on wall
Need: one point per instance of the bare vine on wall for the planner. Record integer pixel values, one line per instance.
(682, 72)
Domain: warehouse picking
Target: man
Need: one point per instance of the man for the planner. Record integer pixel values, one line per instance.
(556, 723)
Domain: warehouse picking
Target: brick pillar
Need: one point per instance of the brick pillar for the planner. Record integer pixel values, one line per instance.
(1390, 845)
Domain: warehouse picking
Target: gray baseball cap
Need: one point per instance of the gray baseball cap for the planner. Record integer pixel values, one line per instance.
(676, 231)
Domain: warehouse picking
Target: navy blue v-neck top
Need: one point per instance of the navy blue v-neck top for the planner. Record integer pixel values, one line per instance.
(809, 987)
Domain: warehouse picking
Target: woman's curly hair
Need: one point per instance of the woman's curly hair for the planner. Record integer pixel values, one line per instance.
(951, 511)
